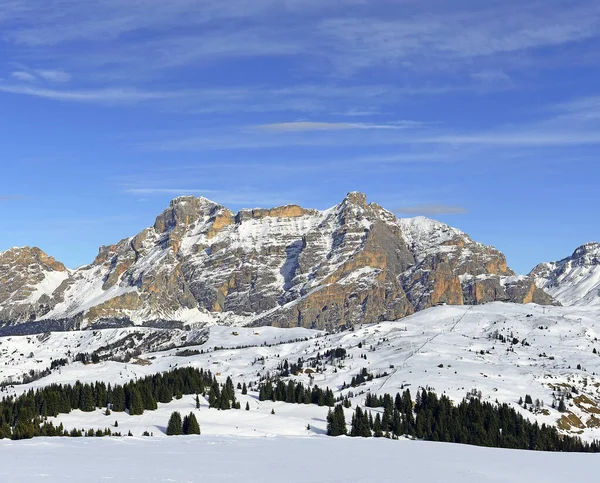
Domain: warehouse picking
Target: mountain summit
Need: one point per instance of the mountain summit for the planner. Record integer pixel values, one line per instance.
(286, 266)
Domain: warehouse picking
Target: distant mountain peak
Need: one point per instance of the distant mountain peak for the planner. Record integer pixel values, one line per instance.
(587, 254)
(574, 280)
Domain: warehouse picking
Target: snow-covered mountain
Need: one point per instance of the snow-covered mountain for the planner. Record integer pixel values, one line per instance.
(574, 280)
(287, 266)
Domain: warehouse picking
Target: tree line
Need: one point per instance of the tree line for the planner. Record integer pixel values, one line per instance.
(26, 416)
(434, 418)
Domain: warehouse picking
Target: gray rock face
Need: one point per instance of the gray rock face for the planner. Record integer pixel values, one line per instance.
(286, 266)
(27, 277)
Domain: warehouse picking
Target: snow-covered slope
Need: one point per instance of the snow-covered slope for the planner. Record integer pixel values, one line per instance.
(506, 351)
(575, 280)
(285, 266)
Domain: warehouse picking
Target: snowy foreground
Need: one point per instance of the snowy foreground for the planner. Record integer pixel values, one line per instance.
(266, 460)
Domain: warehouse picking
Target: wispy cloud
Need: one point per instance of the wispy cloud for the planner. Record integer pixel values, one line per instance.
(411, 36)
(54, 75)
(108, 96)
(11, 197)
(302, 126)
(515, 138)
(50, 75)
(23, 76)
(433, 209)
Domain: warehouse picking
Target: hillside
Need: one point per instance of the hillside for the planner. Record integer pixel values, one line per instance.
(506, 351)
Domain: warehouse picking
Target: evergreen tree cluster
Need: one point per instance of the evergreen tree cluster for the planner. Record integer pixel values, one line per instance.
(296, 393)
(472, 422)
(24, 416)
(222, 397)
(187, 425)
(361, 378)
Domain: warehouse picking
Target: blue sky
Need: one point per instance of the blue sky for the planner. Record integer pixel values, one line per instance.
(484, 115)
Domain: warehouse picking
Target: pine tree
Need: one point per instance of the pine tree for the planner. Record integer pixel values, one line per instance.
(336, 421)
(87, 402)
(190, 425)
(118, 399)
(136, 404)
(247, 406)
(561, 405)
(175, 425)
(378, 433)
(244, 389)
(197, 401)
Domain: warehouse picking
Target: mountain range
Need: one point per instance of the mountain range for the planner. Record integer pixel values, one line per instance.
(200, 263)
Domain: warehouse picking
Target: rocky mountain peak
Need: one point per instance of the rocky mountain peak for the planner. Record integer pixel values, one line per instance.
(356, 198)
(587, 254)
(28, 256)
(184, 211)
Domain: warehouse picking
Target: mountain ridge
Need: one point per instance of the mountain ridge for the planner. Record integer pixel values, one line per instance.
(285, 266)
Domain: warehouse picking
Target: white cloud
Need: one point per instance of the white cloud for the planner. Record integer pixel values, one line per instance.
(524, 138)
(54, 75)
(102, 96)
(341, 37)
(23, 76)
(302, 126)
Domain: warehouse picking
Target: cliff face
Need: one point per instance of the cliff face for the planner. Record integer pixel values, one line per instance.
(574, 280)
(27, 279)
(286, 266)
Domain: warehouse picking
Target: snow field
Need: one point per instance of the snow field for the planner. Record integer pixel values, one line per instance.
(215, 459)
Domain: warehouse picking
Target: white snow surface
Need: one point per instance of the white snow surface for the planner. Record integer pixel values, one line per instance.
(51, 281)
(213, 459)
(427, 235)
(579, 286)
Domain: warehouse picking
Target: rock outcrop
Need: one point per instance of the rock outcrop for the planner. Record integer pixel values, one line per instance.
(28, 276)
